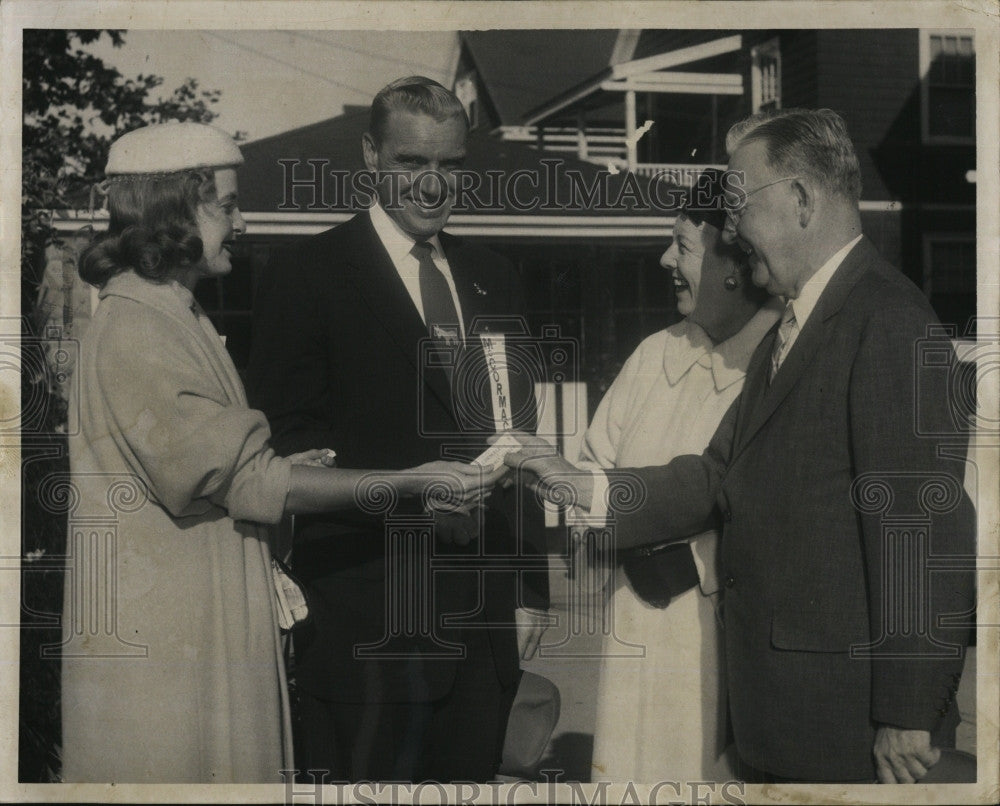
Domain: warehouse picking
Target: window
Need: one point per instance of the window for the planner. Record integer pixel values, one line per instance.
(948, 82)
(765, 76)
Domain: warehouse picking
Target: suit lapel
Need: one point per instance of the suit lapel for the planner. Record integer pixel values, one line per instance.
(470, 295)
(474, 410)
(764, 399)
(379, 284)
(755, 385)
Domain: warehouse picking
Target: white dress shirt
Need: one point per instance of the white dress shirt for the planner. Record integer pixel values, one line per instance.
(398, 244)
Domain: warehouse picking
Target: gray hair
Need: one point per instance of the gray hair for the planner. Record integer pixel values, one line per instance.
(809, 142)
(417, 94)
(742, 128)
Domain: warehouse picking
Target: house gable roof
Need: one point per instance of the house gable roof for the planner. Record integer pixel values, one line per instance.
(522, 69)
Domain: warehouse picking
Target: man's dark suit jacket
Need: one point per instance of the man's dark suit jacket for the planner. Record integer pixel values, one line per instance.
(808, 574)
(336, 363)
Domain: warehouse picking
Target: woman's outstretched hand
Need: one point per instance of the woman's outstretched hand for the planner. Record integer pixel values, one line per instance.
(318, 457)
(451, 486)
(548, 474)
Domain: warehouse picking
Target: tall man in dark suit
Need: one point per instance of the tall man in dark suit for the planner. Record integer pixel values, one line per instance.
(359, 337)
(830, 486)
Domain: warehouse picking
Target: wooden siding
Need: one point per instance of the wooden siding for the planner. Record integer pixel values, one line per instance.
(798, 67)
(873, 79)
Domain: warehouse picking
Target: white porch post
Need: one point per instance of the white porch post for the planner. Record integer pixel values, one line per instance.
(712, 152)
(630, 144)
(581, 135)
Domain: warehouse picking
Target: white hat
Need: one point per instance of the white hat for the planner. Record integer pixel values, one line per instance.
(168, 147)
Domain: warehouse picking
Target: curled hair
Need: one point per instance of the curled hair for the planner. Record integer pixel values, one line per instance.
(153, 227)
(416, 94)
(806, 142)
(706, 203)
(706, 199)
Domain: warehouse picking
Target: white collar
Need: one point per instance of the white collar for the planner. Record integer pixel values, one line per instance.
(397, 242)
(688, 344)
(805, 302)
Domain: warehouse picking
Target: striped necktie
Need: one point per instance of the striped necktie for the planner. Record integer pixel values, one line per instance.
(787, 331)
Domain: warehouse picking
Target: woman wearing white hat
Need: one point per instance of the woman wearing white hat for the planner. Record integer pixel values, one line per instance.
(182, 679)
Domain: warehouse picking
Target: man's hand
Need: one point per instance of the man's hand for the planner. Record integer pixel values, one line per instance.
(554, 479)
(903, 756)
(531, 624)
(561, 483)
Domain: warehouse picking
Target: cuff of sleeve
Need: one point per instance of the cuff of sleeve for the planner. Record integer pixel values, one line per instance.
(925, 705)
(597, 516)
(275, 492)
(704, 550)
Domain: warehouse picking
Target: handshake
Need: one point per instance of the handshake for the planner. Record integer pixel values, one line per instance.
(454, 491)
(543, 467)
(466, 488)
(543, 471)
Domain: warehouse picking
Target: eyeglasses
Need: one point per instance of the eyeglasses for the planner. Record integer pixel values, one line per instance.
(735, 214)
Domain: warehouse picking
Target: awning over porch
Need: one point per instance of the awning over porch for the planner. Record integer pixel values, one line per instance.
(652, 74)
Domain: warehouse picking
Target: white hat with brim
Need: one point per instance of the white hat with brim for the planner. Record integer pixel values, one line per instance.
(165, 148)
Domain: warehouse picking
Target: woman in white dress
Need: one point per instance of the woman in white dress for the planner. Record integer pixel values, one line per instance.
(172, 661)
(662, 716)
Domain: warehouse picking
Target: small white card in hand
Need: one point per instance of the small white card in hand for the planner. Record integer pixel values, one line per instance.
(493, 456)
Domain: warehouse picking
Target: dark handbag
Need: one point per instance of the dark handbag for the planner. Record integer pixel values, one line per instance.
(660, 571)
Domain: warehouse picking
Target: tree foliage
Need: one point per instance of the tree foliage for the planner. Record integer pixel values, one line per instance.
(73, 106)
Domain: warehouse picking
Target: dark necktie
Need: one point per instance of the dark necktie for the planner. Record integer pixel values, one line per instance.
(440, 314)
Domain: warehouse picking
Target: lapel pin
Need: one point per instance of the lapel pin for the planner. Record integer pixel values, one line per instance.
(479, 289)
